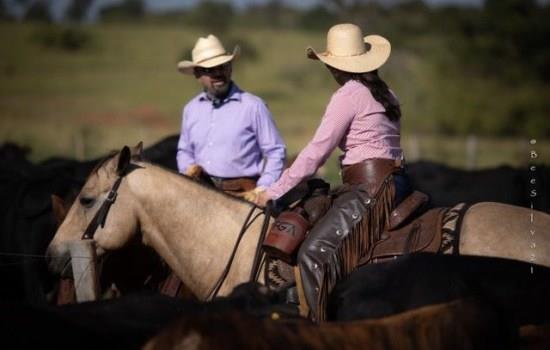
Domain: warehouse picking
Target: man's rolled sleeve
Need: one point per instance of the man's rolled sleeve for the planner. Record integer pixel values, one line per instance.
(271, 145)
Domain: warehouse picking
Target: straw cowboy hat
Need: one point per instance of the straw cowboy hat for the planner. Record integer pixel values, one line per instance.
(346, 50)
(207, 53)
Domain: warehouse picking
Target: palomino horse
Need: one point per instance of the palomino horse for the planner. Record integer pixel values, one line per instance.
(195, 228)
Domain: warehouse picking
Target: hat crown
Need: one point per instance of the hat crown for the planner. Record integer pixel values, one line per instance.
(207, 48)
(345, 40)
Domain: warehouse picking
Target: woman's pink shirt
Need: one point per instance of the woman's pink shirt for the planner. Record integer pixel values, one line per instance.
(355, 122)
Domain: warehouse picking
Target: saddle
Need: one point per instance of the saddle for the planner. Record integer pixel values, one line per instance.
(407, 230)
(410, 229)
(293, 220)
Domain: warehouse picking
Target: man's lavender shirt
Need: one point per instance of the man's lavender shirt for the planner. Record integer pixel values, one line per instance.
(233, 139)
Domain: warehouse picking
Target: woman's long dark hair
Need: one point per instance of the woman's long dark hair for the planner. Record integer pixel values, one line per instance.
(379, 91)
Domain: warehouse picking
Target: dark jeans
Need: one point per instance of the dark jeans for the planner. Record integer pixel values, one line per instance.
(403, 187)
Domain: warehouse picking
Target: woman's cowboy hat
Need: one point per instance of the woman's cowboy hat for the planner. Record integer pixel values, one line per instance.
(207, 53)
(346, 50)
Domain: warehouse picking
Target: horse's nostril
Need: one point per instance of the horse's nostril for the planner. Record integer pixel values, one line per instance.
(51, 252)
(57, 261)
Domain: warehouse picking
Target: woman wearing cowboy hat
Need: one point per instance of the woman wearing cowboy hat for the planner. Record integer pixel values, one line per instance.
(227, 132)
(362, 118)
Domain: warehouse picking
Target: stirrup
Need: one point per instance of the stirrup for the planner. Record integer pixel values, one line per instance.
(292, 296)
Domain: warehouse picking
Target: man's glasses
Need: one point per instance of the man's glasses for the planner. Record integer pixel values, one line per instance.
(221, 68)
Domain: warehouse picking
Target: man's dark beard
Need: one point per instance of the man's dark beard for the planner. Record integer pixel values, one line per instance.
(218, 97)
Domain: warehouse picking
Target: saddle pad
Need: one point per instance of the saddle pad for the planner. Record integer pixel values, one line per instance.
(450, 230)
(280, 275)
(507, 231)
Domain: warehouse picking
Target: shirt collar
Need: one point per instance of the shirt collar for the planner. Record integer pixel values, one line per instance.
(234, 94)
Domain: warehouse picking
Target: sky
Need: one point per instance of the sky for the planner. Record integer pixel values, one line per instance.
(58, 7)
(159, 5)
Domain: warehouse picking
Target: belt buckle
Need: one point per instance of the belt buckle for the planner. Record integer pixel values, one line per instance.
(400, 163)
(218, 181)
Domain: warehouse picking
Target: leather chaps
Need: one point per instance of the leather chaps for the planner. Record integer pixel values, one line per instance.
(337, 243)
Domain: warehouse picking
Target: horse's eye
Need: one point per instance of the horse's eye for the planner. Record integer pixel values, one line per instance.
(87, 201)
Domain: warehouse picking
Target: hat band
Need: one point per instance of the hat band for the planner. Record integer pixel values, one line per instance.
(353, 55)
(209, 58)
(365, 51)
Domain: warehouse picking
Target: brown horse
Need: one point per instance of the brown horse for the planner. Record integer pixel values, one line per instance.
(194, 228)
(461, 324)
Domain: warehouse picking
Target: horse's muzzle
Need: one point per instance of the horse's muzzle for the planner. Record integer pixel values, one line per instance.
(59, 262)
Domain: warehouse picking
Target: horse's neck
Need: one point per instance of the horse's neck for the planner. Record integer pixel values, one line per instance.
(194, 228)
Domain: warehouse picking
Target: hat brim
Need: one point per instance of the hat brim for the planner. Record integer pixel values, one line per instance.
(374, 58)
(187, 67)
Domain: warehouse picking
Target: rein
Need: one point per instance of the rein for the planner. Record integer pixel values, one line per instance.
(101, 215)
(257, 256)
(247, 222)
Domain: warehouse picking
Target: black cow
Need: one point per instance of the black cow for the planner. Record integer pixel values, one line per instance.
(27, 226)
(506, 288)
(123, 323)
(448, 186)
(519, 289)
(14, 157)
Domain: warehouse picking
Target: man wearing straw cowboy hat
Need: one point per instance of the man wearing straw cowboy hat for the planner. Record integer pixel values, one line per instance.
(226, 132)
(362, 119)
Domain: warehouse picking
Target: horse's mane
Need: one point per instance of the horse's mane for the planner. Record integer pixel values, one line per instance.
(185, 177)
(198, 183)
(103, 161)
(108, 157)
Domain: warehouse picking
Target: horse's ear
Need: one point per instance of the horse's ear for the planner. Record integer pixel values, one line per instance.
(123, 160)
(137, 151)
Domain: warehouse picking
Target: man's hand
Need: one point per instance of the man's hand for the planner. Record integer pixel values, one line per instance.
(194, 171)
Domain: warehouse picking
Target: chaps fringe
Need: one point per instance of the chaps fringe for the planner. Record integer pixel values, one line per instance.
(357, 243)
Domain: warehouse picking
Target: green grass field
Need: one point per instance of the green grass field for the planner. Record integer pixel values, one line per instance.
(123, 87)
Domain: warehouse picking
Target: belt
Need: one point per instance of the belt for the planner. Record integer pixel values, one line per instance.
(235, 184)
(371, 173)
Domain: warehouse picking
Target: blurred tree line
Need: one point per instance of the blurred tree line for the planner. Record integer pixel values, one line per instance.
(503, 43)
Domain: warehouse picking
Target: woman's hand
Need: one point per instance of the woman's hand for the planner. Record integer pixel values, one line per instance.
(257, 196)
(262, 198)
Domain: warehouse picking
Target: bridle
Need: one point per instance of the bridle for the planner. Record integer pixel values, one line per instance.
(101, 215)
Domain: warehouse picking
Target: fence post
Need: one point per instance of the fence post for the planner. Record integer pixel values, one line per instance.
(471, 152)
(413, 153)
(79, 145)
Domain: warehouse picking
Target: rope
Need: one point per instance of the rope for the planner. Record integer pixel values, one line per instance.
(23, 255)
(32, 256)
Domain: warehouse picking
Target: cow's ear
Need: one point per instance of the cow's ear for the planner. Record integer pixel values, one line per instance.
(137, 152)
(123, 160)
